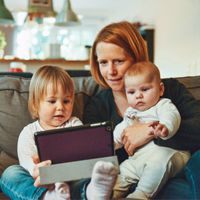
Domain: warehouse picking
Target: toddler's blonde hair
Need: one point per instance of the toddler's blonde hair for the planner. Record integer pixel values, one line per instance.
(38, 86)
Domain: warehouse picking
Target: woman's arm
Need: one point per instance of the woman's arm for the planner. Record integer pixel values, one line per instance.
(188, 135)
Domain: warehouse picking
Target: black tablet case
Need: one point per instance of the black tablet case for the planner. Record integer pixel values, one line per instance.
(76, 143)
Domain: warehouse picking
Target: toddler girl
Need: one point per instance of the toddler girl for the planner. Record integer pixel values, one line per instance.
(51, 100)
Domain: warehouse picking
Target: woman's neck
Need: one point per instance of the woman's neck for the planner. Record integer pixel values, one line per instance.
(120, 102)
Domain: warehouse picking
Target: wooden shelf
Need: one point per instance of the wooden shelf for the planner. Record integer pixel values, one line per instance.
(56, 60)
(32, 65)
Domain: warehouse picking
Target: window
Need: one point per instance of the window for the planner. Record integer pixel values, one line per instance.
(40, 42)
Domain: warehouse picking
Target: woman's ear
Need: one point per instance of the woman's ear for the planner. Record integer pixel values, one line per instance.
(162, 88)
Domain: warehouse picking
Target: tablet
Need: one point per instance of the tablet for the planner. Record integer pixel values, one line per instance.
(77, 143)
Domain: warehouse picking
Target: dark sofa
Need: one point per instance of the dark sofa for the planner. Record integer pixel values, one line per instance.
(14, 114)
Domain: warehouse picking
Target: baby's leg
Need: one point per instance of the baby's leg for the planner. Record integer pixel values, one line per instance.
(103, 179)
(163, 164)
(60, 192)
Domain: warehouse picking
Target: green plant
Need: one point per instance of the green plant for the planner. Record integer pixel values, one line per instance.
(3, 42)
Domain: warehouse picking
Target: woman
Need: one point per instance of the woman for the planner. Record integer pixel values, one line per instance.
(115, 49)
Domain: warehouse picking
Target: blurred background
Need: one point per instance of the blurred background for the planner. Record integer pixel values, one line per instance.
(34, 35)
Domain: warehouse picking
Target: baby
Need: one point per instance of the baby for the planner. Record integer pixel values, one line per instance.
(151, 165)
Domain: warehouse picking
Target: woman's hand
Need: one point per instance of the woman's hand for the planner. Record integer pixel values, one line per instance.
(36, 174)
(136, 135)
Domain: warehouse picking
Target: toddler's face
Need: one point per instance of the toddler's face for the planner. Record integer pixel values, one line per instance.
(55, 108)
(143, 93)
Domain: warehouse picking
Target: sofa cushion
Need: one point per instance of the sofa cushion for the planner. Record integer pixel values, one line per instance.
(14, 114)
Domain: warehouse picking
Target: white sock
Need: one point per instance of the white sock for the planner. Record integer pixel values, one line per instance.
(61, 192)
(103, 179)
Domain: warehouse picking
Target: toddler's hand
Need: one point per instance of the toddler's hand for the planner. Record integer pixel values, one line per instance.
(35, 159)
(36, 173)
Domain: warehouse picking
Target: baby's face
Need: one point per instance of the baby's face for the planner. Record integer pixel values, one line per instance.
(55, 108)
(143, 93)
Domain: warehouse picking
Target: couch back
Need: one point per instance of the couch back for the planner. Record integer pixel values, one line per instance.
(14, 114)
(192, 83)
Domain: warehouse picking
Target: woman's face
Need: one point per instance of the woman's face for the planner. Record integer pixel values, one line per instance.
(113, 62)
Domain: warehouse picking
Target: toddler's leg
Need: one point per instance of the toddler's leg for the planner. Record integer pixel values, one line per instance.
(17, 183)
(61, 192)
(104, 176)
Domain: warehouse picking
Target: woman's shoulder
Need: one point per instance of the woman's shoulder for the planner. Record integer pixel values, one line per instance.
(101, 108)
(103, 96)
(104, 93)
(174, 89)
(171, 82)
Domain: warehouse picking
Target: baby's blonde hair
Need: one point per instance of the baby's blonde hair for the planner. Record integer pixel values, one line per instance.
(39, 82)
(147, 68)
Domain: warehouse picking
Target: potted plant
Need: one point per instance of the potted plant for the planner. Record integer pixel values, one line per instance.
(3, 43)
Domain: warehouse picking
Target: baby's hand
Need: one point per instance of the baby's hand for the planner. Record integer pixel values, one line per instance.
(159, 130)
